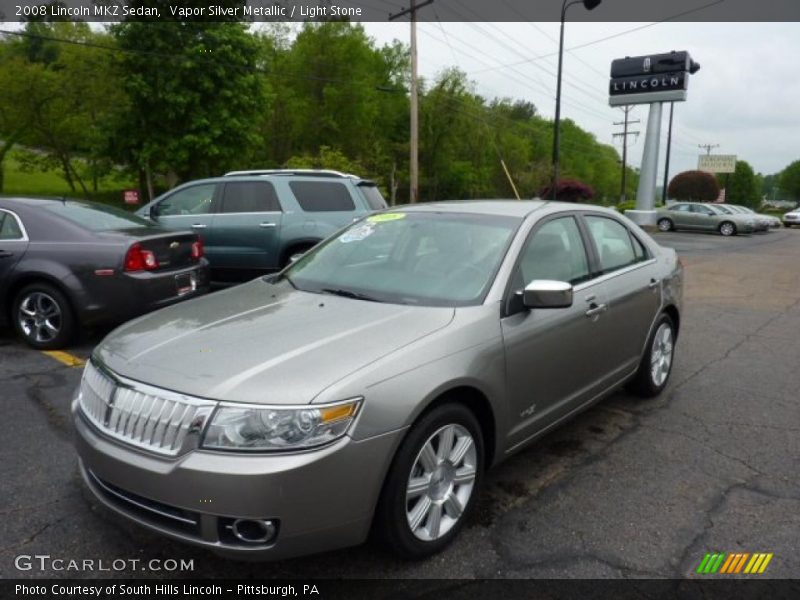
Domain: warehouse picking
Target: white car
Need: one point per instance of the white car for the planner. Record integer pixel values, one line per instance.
(792, 218)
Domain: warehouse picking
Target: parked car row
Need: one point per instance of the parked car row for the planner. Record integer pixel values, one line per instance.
(394, 358)
(726, 219)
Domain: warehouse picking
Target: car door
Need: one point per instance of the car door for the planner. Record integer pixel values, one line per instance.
(13, 243)
(704, 217)
(552, 364)
(190, 207)
(682, 217)
(246, 229)
(632, 286)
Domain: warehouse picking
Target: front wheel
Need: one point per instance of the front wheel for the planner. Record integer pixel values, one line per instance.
(727, 229)
(433, 482)
(656, 365)
(665, 225)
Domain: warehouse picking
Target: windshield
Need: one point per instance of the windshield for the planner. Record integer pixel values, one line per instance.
(96, 217)
(421, 258)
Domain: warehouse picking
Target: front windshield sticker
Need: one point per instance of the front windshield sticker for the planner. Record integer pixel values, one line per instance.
(356, 234)
(386, 217)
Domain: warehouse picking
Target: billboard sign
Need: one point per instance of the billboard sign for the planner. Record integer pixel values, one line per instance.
(652, 78)
(717, 163)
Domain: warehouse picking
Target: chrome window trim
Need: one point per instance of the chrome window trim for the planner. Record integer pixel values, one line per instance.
(608, 276)
(21, 225)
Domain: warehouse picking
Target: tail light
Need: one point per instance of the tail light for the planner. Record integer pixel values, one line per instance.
(139, 259)
(197, 249)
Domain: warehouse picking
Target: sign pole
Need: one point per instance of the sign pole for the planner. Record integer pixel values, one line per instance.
(645, 213)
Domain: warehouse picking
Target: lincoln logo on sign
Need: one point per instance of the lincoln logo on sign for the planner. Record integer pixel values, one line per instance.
(651, 78)
(647, 65)
(632, 85)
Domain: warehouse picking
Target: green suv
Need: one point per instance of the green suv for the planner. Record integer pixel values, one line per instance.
(255, 222)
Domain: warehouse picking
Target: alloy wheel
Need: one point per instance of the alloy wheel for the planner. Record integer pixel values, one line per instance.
(661, 355)
(727, 229)
(40, 317)
(441, 482)
(664, 225)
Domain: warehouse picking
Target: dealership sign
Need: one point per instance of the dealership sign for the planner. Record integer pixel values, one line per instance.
(652, 78)
(130, 196)
(717, 163)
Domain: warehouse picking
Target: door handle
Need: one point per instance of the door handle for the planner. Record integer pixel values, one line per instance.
(199, 226)
(596, 309)
(266, 225)
(654, 283)
(4, 254)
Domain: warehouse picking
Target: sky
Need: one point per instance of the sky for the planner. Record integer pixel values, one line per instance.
(746, 96)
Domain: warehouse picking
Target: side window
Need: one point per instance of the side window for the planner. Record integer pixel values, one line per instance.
(372, 195)
(613, 243)
(322, 196)
(681, 208)
(195, 200)
(9, 228)
(555, 252)
(639, 250)
(701, 210)
(250, 197)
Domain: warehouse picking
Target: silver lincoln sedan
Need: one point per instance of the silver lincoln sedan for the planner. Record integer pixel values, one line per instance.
(371, 383)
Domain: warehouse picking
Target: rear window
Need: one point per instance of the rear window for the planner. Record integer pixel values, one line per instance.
(96, 217)
(250, 197)
(372, 195)
(322, 196)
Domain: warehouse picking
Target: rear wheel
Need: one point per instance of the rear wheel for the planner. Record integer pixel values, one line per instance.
(665, 225)
(43, 317)
(656, 365)
(727, 229)
(433, 482)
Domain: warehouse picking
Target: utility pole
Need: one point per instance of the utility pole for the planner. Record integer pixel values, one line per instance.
(624, 135)
(413, 167)
(669, 152)
(708, 147)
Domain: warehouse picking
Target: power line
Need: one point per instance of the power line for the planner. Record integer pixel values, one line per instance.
(613, 36)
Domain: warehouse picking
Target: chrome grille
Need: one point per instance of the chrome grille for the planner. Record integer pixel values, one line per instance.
(157, 420)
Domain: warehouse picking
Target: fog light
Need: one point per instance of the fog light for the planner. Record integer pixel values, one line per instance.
(254, 531)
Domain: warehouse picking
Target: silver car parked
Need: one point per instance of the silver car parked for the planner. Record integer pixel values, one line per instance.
(373, 381)
(698, 216)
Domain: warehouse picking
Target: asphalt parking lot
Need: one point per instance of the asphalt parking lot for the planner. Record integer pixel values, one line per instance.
(629, 489)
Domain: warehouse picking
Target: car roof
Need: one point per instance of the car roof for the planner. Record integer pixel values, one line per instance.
(499, 207)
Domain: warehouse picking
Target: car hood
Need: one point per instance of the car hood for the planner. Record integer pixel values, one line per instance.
(263, 343)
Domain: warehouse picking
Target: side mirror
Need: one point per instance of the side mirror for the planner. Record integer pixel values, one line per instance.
(543, 293)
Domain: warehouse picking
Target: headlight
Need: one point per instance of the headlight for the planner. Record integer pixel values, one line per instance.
(257, 428)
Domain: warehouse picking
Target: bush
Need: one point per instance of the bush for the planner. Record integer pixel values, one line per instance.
(694, 186)
(627, 205)
(569, 190)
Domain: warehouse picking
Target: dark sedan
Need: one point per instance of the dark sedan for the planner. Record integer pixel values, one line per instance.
(67, 263)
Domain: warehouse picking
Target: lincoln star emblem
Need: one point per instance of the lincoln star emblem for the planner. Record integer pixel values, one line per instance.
(174, 245)
(646, 65)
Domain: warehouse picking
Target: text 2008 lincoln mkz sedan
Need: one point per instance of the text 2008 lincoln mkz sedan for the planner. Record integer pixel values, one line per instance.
(372, 382)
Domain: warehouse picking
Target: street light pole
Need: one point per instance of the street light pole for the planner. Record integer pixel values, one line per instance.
(589, 5)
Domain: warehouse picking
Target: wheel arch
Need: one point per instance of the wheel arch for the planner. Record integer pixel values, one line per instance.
(27, 279)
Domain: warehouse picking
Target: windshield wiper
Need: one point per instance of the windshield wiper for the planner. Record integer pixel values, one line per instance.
(349, 294)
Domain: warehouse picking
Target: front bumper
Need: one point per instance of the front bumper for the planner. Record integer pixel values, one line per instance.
(321, 500)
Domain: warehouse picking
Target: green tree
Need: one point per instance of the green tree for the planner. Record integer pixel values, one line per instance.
(790, 181)
(194, 92)
(741, 186)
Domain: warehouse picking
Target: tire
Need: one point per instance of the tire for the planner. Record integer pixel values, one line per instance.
(42, 317)
(727, 228)
(646, 383)
(436, 493)
(295, 253)
(665, 225)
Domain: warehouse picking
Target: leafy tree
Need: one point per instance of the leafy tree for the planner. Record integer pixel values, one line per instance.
(697, 186)
(741, 186)
(790, 181)
(194, 93)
